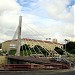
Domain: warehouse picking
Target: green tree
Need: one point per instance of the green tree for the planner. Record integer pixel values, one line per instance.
(70, 47)
(38, 49)
(59, 50)
(43, 50)
(0, 45)
(25, 47)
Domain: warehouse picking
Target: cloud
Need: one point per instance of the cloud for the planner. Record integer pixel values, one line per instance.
(36, 23)
(9, 5)
(47, 28)
(59, 10)
(8, 8)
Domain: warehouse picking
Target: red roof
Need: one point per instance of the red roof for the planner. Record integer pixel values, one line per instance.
(44, 41)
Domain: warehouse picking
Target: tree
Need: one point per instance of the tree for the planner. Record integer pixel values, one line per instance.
(70, 47)
(25, 47)
(59, 51)
(0, 45)
(38, 49)
(43, 50)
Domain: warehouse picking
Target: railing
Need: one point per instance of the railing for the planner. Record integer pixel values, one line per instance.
(27, 67)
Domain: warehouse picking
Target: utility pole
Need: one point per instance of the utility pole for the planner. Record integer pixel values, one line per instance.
(19, 37)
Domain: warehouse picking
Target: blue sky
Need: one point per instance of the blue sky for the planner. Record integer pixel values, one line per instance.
(50, 18)
(31, 6)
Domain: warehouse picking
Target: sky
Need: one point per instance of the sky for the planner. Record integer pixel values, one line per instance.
(41, 19)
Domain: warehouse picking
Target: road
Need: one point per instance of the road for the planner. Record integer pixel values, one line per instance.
(64, 73)
(37, 73)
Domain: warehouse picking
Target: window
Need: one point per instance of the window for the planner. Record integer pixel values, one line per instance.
(12, 45)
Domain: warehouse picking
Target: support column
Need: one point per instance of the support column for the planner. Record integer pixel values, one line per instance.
(19, 37)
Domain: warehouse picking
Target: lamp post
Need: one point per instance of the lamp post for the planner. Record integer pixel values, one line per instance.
(65, 44)
(66, 41)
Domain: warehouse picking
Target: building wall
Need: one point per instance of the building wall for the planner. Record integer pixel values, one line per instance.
(6, 45)
(2, 60)
(46, 44)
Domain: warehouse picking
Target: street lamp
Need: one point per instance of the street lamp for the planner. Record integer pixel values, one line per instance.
(66, 41)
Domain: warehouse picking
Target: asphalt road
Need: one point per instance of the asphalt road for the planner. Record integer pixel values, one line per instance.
(37, 73)
(64, 73)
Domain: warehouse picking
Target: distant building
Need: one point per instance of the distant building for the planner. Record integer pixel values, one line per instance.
(31, 42)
